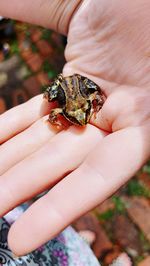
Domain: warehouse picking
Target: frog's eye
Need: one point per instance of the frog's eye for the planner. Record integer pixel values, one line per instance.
(91, 89)
(51, 92)
(91, 86)
(54, 88)
(86, 90)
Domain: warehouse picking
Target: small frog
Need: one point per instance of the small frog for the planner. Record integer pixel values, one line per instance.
(78, 98)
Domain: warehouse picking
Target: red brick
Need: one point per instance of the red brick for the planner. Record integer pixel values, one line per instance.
(21, 36)
(56, 38)
(32, 86)
(145, 179)
(44, 48)
(19, 96)
(125, 233)
(36, 34)
(90, 222)
(2, 105)
(139, 211)
(1, 57)
(111, 256)
(26, 54)
(35, 62)
(145, 262)
(43, 78)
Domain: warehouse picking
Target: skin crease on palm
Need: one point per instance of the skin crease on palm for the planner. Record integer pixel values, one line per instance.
(109, 42)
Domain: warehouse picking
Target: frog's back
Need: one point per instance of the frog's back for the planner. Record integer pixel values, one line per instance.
(74, 98)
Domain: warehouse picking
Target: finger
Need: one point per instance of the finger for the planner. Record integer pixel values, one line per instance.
(48, 165)
(28, 141)
(22, 116)
(130, 103)
(117, 157)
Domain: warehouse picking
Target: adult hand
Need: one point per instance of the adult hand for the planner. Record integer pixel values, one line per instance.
(108, 43)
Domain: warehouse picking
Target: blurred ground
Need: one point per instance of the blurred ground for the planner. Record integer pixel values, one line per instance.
(29, 60)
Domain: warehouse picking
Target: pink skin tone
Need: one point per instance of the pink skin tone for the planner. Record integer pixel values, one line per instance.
(108, 42)
(122, 260)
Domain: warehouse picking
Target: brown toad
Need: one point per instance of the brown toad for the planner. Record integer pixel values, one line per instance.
(77, 96)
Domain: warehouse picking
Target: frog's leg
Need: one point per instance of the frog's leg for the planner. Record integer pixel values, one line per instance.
(53, 116)
(97, 101)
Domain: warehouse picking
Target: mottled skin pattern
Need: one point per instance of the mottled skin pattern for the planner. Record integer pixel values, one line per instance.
(77, 96)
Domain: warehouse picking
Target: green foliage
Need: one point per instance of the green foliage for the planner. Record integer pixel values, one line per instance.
(107, 215)
(135, 188)
(139, 259)
(51, 74)
(119, 204)
(146, 168)
(14, 48)
(27, 33)
(119, 208)
(142, 237)
(144, 241)
(34, 48)
(48, 68)
(46, 34)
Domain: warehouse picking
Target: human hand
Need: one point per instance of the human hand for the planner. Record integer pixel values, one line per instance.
(98, 162)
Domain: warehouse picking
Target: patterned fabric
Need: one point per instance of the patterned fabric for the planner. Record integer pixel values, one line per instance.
(67, 249)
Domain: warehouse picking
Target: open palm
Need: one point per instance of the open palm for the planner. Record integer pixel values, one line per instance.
(109, 41)
(82, 166)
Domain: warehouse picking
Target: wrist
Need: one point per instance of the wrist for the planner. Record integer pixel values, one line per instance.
(53, 14)
(62, 13)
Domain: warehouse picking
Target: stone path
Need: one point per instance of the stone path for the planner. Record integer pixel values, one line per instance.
(121, 223)
(32, 64)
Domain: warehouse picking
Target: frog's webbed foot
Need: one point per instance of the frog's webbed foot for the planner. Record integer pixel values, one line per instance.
(53, 116)
(97, 101)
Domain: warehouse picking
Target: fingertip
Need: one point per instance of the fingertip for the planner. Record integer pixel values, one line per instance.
(13, 243)
(16, 242)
